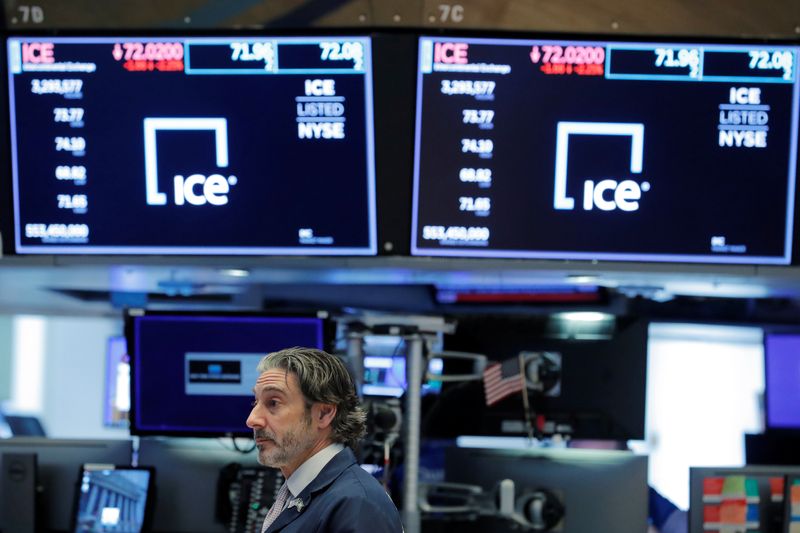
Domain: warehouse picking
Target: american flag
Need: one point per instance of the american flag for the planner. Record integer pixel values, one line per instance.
(501, 380)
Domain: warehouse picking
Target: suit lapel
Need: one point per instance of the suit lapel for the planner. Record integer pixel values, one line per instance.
(327, 475)
(284, 519)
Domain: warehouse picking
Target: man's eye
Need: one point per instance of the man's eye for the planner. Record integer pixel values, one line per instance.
(253, 403)
(273, 403)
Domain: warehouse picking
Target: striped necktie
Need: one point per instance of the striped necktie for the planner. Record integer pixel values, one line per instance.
(277, 507)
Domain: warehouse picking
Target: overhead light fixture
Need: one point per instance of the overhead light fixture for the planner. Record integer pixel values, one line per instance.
(235, 272)
(581, 325)
(584, 316)
(582, 278)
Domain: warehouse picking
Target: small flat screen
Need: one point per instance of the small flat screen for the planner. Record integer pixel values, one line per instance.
(192, 145)
(111, 499)
(740, 502)
(386, 376)
(194, 374)
(749, 499)
(673, 152)
(384, 363)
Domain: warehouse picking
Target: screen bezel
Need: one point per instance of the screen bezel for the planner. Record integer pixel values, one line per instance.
(10, 226)
(150, 496)
(792, 216)
(130, 318)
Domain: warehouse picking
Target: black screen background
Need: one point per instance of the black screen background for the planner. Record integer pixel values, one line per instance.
(284, 183)
(699, 189)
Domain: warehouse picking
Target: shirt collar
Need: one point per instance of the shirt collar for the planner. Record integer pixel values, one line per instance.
(308, 471)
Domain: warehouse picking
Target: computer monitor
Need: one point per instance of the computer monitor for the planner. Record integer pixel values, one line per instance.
(386, 376)
(192, 374)
(772, 448)
(385, 367)
(236, 145)
(188, 471)
(746, 499)
(599, 490)
(112, 498)
(117, 387)
(782, 383)
(25, 426)
(601, 391)
(59, 461)
(603, 150)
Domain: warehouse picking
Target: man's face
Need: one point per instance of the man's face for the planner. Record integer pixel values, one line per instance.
(280, 421)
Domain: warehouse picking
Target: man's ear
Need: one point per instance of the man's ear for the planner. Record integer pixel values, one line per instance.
(322, 414)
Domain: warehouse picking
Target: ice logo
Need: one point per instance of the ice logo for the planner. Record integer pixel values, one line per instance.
(624, 195)
(196, 189)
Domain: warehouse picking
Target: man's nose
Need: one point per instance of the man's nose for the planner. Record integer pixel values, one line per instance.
(254, 421)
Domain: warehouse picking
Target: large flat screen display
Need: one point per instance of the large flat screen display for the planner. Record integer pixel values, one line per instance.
(193, 374)
(602, 150)
(245, 145)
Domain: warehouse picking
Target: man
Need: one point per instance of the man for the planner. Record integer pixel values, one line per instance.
(305, 420)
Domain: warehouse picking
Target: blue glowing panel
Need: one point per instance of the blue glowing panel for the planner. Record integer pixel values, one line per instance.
(782, 358)
(600, 150)
(192, 145)
(194, 375)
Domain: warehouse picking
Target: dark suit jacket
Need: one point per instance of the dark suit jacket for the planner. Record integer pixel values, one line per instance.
(342, 499)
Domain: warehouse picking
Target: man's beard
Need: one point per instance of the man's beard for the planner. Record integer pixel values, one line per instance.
(281, 453)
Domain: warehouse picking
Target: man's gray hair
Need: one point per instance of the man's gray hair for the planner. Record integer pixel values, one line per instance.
(323, 378)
